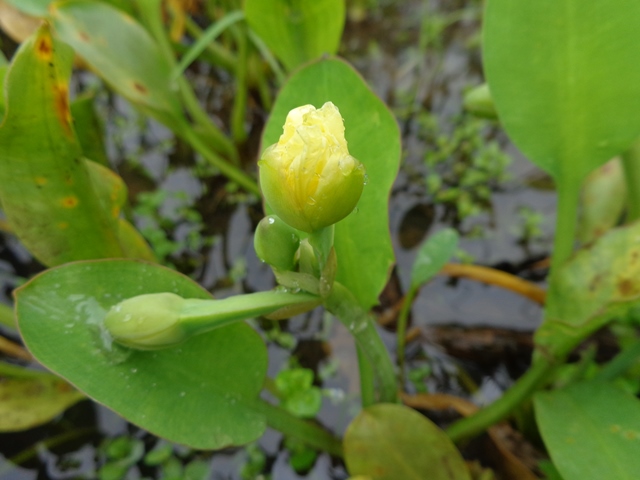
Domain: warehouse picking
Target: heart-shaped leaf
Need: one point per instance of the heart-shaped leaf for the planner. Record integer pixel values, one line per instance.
(565, 79)
(392, 442)
(362, 240)
(199, 393)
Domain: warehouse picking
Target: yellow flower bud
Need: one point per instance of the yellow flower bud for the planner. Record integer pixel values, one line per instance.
(308, 178)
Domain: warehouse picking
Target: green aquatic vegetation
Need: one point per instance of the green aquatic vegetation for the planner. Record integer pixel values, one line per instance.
(154, 346)
(464, 166)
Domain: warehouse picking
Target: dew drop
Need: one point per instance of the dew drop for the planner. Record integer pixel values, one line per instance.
(271, 220)
(311, 201)
(366, 179)
(182, 394)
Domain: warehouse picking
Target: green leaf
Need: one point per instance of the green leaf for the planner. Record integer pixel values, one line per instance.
(391, 442)
(297, 31)
(89, 129)
(432, 256)
(3, 73)
(46, 190)
(199, 394)
(36, 8)
(565, 79)
(592, 431)
(121, 51)
(362, 240)
(29, 402)
(594, 286)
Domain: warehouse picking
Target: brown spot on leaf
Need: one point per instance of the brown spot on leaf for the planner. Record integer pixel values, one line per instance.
(140, 88)
(627, 287)
(44, 48)
(61, 102)
(70, 202)
(84, 36)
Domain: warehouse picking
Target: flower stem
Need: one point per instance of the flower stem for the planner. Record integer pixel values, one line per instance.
(525, 386)
(202, 315)
(292, 426)
(346, 308)
(401, 331)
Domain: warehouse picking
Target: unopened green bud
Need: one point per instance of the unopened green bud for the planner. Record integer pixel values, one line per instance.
(276, 243)
(308, 178)
(147, 322)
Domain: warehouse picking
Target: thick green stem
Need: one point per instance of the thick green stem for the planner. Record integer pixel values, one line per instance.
(566, 222)
(401, 330)
(292, 426)
(501, 408)
(631, 165)
(231, 172)
(346, 308)
(201, 315)
(367, 379)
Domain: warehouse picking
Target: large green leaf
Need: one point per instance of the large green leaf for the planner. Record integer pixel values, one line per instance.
(592, 431)
(392, 442)
(45, 187)
(565, 79)
(121, 51)
(595, 285)
(362, 240)
(199, 393)
(297, 30)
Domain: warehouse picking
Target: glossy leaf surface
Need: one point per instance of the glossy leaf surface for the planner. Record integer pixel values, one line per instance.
(389, 442)
(595, 285)
(432, 256)
(29, 402)
(198, 393)
(297, 31)
(45, 187)
(121, 51)
(362, 239)
(592, 431)
(565, 79)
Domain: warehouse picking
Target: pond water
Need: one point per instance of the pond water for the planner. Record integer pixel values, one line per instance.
(419, 57)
